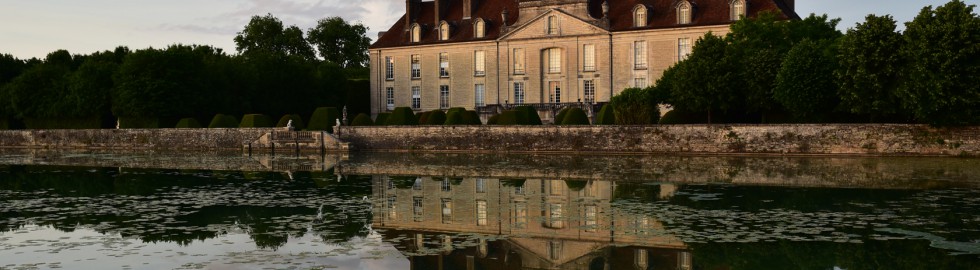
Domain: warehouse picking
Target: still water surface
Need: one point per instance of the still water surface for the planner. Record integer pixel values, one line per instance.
(397, 211)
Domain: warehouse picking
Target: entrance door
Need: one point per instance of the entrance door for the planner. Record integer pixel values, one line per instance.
(555, 96)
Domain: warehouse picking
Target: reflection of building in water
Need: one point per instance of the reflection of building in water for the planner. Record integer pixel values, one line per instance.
(547, 223)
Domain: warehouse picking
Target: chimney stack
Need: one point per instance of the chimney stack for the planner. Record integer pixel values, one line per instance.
(441, 7)
(469, 6)
(411, 12)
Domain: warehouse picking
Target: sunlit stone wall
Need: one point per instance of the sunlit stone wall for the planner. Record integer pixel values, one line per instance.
(137, 139)
(851, 139)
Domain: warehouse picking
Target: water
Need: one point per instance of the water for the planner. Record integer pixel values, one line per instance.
(399, 211)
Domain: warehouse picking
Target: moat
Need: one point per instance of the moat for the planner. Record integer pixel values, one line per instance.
(91, 210)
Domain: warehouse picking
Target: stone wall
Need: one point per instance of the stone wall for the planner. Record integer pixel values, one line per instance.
(829, 139)
(132, 139)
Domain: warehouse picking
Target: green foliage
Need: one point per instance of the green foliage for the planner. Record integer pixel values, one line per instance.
(575, 116)
(362, 120)
(493, 120)
(472, 118)
(530, 116)
(166, 83)
(806, 85)
(223, 121)
(423, 116)
(340, 42)
(323, 118)
(67, 123)
(267, 35)
(941, 75)
(188, 123)
(677, 116)
(36, 92)
(607, 115)
(636, 106)
(255, 121)
(358, 96)
(511, 118)
(703, 81)
(402, 116)
(455, 118)
(148, 122)
(435, 118)
(560, 116)
(869, 67)
(297, 121)
(381, 119)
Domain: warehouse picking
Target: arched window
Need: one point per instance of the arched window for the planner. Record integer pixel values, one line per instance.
(479, 29)
(684, 12)
(552, 25)
(738, 9)
(416, 33)
(443, 30)
(639, 16)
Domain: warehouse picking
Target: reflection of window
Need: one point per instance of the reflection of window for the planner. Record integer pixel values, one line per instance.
(447, 211)
(520, 215)
(555, 219)
(479, 63)
(518, 61)
(447, 186)
(554, 250)
(588, 51)
(416, 97)
(589, 88)
(481, 185)
(389, 68)
(481, 213)
(683, 48)
(640, 54)
(418, 184)
(390, 98)
(641, 258)
(443, 96)
(391, 183)
(416, 66)
(392, 209)
(684, 260)
(641, 225)
(518, 93)
(591, 218)
(417, 208)
(556, 187)
(519, 190)
(443, 65)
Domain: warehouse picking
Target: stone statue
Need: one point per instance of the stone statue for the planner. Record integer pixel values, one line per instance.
(289, 124)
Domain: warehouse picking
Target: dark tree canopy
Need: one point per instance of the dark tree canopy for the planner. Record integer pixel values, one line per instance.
(869, 67)
(806, 85)
(267, 35)
(341, 42)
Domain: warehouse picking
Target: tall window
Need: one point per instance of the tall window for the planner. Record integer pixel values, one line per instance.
(392, 207)
(416, 66)
(481, 185)
(447, 185)
(639, 16)
(443, 65)
(479, 29)
(479, 93)
(518, 93)
(683, 48)
(389, 68)
(588, 51)
(641, 258)
(481, 213)
(591, 218)
(480, 63)
(443, 96)
(555, 218)
(416, 33)
(640, 54)
(447, 211)
(684, 13)
(738, 9)
(520, 215)
(554, 60)
(640, 82)
(552, 25)
(390, 98)
(556, 187)
(417, 209)
(418, 184)
(554, 250)
(444, 31)
(518, 61)
(589, 87)
(555, 96)
(416, 97)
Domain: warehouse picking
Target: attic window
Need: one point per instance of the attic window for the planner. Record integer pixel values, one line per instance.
(479, 28)
(416, 33)
(738, 9)
(684, 12)
(443, 30)
(552, 25)
(639, 16)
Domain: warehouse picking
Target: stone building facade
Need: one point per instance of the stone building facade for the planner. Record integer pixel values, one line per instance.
(488, 55)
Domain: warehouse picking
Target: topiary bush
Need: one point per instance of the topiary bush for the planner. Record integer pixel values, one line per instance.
(188, 123)
(323, 118)
(511, 118)
(255, 121)
(560, 116)
(492, 121)
(381, 119)
(575, 116)
(607, 115)
(362, 120)
(423, 116)
(297, 121)
(455, 118)
(530, 115)
(436, 118)
(472, 118)
(223, 121)
(455, 109)
(402, 116)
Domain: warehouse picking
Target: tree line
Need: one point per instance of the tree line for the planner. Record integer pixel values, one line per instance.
(276, 71)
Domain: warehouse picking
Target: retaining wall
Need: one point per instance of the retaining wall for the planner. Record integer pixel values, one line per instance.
(134, 139)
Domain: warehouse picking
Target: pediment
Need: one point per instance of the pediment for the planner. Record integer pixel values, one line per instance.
(568, 25)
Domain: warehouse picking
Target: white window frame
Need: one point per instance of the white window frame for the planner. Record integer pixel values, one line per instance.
(418, 210)
(390, 98)
(479, 63)
(554, 60)
(444, 65)
(640, 82)
(519, 67)
(588, 55)
(588, 87)
(389, 68)
(479, 93)
(480, 29)
(683, 48)
(416, 97)
(640, 16)
(447, 211)
(684, 12)
(640, 54)
(416, 66)
(416, 33)
(481, 213)
(554, 88)
(444, 96)
(739, 9)
(519, 93)
(444, 30)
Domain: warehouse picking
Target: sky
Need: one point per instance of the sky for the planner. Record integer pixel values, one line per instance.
(34, 28)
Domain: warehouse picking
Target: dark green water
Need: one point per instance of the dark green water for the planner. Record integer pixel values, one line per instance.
(463, 212)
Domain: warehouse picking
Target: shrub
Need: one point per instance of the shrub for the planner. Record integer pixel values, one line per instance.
(362, 120)
(297, 121)
(78, 123)
(255, 121)
(683, 117)
(455, 109)
(223, 121)
(560, 116)
(472, 118)
(455, 118)
(493, 119)
(636, 106)
(530, 115)
(323, 118)
(145, 122)
(188, 123)
(423, 116)
(436, 118)
(381, 119)
(402, 116)
(575, 116)
(511, 118)
(606, 115)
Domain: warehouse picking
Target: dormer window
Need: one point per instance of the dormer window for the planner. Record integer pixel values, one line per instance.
(640, 16)
(552, 25)
(479, 29)
(738, 9)
(416, 33)
(684, 13)
(443, 30)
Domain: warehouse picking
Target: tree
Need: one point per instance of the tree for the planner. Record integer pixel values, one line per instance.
(869, 68)
(703, 82)
(636, 106)
(806, 85)
(90, 87)
(38, 91)
(943, 65)
(154, 83)
(341, 42)
(266, 35)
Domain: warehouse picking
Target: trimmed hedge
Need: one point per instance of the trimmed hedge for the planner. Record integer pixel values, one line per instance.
(223, 121)
(575, 116)
(323, 118)
(530, 115)
(423, 116)
(493, 119)
(402, 116)
(297, 121)
(472, 118)
(560, 116)
(511, 118)
(362, 120)
(255, 121)
(381, 119)
(607, 115)
(188, 123)
(137, 122)
(79, 123)
(435, 118)
(454, 118)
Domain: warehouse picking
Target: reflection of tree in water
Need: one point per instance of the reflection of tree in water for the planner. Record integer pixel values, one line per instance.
(894, 254)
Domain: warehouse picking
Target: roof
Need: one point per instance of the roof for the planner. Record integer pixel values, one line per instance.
(661, 13)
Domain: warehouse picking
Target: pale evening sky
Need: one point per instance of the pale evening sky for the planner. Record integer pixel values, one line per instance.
(33, 28)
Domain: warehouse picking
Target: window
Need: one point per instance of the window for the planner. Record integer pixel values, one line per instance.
(416, 33)
(479, 93)
(640, 82)
(443, 65)
(552, 25)
(481, 185)
(444, 31)
(641, 258)
(591, 218)
(481, 213)
(639, 16)
(479, 63)
(480, 29)
(554, 60)
(589, 87)
(416, 97)
(640, 54)
(555, 219)
(443, 96)
(390, 98)
(684, 13)
(683, 48)
(519, 190)
(738, 9)
(518, 93)
(447, 185)
(556, 187)
(520, 215)
(390, 183)
(588, 51)
(389, 68)
(418, 184)
(554, 250)
(447, 211)
(392, 209)
(555, 96)
(518, 61)
(417, 208)
(416, 66)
